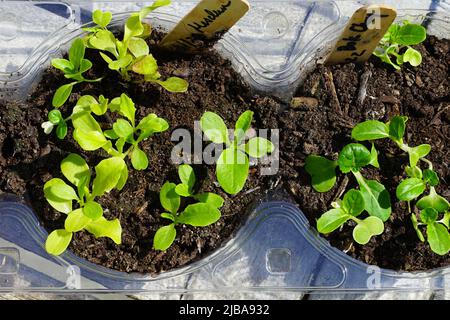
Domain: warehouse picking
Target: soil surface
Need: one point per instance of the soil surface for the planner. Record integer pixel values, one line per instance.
(319, 122)
(325, 114)
(29, 158)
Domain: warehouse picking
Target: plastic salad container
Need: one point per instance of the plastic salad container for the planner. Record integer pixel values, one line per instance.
(294, 259)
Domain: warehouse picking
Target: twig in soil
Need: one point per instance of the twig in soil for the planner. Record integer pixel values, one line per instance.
(329, 83)
(341, 189)
(349, 248)
(362, 92)
(251, 191)
(436, 116)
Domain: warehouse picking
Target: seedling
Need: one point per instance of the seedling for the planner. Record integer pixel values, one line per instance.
(89, 214)
(372, 196)
(186, 188)
(73, 69)
(396, 39)
(233, 163)
(201, 214)
(418, 180)
(90, 136)
(350, 208)
(132, 52)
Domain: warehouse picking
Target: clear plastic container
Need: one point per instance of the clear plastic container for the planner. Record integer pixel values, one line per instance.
(276, 251)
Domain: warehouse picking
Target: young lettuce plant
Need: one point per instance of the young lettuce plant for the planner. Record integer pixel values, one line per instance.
(201, 214)
(372, 196)
(73, 69)
(233, 164)
(132, 52)
(90, 136)
(416, 184)
(398, 37)
(89, 214)
(350, 208)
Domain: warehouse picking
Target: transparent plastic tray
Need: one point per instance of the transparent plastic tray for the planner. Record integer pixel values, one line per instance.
(276, 250)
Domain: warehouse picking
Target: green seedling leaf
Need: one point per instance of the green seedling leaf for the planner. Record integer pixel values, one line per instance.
(104, 228)
(182, 190)
(123, 128)
(164, 237)
(428, 215)
(173, 84)
(430, 177)
(258, 147)
(146, 65)
(58, 241)
(370, 130)
(415, 224)
(127, 108)
(123, 178)
(199, 215)
(410, 34)
(367, 228)
(211, 198)
(412, 56)
(100, 108)
(76, 221)
(107, 175)
(62, 191)
(438, 238)
(59, 204)
(89, 140)
(139, 48)
(101, 18)
(61, 130)
(446, 220)
(397, 127)
(151, 124)
(353, 202)
(169, 199)
(413, 172)
(133, 27)
(158, 3)
(104, 40)
(322, 172)
(64, 65)
(85, 66)
(214, 128)
(55, 117)
(232, 170)
(62, 94)
(120, 63)
(187, 176)
(76, 53)
(168, 216)
(376, 198)
(418, 152)
(93, 210)
(353, 157)
(409, 189)
(75, 169)
(433, 200)
(243, 124)
(107, 59)
(111, 134)
(374, 157)
(331, 220)
(139, 159)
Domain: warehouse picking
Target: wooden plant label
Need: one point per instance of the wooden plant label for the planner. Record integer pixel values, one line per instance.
(362, 34)
(206, 20)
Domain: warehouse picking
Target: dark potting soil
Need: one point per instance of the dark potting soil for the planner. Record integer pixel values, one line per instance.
(29, 158)
(326, 110)
(320, 122)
